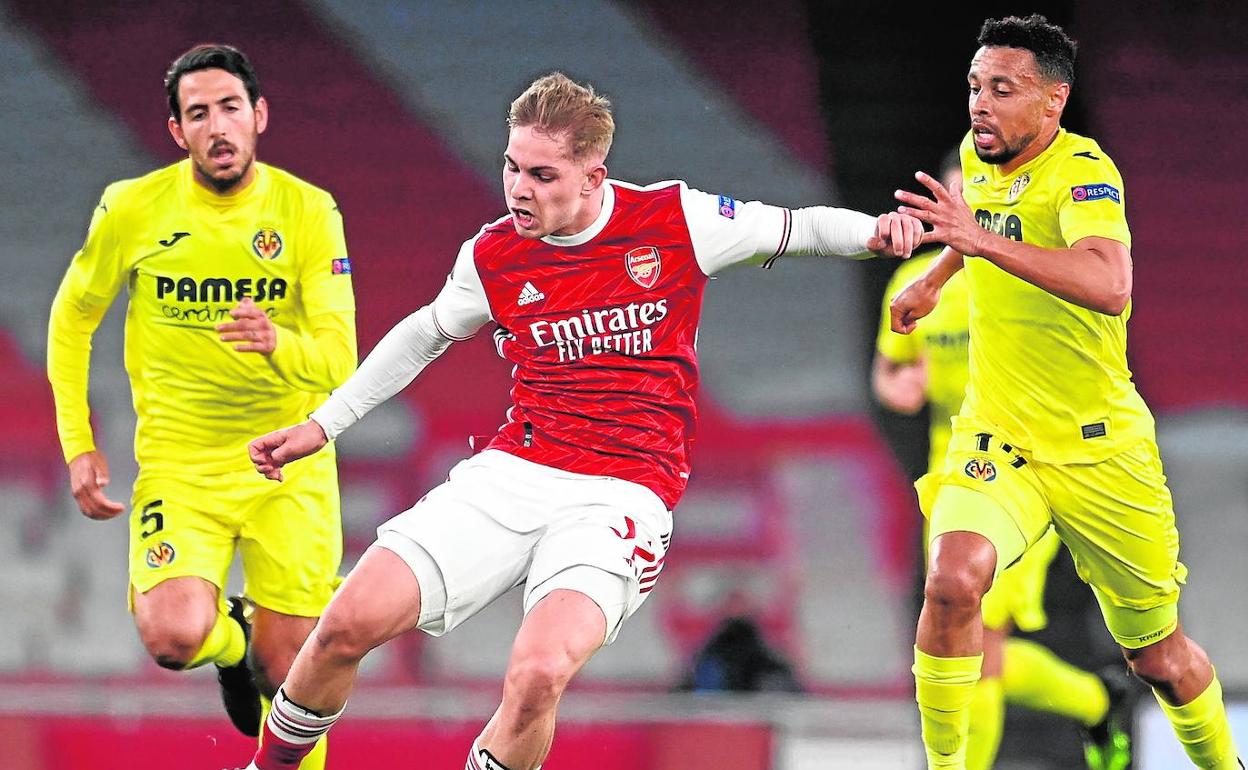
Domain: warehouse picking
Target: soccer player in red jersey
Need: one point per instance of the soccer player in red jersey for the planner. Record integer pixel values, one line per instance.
(596, 287)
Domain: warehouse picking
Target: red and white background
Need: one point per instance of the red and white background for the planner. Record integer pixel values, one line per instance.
(796, 512)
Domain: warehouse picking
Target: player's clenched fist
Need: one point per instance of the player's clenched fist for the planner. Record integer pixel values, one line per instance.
(273, 450)
(914, 302)
(896, 235)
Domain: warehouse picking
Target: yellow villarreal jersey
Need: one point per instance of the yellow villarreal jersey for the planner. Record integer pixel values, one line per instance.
(187, 257)
(1051, 376)
(941, 341)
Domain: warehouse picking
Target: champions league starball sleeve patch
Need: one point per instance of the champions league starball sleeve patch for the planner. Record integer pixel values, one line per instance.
(1095, 192)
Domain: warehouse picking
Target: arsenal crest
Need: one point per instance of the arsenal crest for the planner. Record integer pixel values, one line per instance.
(643, 266)
(267, 243)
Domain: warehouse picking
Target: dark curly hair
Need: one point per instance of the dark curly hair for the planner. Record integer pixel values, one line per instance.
(210, 56)
(1049, 43)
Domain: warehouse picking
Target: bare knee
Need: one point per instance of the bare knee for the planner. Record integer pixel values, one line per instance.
(343, 636)
(173, 644)
(956, 587)
(174, 618)
(960, 573)
(536, 680)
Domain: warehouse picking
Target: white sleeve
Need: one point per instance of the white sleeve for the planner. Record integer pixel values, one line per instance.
(461, 308)
(825, 231)
(725, 231)
(401, 355)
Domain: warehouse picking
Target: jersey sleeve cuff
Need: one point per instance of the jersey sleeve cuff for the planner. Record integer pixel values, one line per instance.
(334, 416)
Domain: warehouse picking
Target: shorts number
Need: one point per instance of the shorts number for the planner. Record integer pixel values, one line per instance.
(155, 518)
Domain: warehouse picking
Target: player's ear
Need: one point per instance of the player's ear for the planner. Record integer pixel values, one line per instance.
(175, 130)
(594, 177)
(262, 114)
(1057, 98)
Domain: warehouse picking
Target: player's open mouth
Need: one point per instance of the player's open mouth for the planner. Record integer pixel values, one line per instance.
(524, 218)
(984, 136)
(222, 154)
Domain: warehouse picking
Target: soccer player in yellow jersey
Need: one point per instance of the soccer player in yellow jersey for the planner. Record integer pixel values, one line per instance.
(931, 366)
(1052, 431)
(240, 320)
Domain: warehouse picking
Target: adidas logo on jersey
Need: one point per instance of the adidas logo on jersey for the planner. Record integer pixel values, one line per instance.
(529, 294)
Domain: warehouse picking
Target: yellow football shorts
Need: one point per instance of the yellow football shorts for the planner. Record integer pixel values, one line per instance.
(1115, 516)
(289, 534)
(1017, 595)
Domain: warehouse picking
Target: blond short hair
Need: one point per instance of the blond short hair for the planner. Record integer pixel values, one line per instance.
(555, 104)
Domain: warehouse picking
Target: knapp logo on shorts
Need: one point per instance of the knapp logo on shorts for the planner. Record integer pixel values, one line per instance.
(161, 555)
(982, 470)
(643, 266)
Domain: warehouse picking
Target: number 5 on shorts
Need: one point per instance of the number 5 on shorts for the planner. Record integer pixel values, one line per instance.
(153, 517)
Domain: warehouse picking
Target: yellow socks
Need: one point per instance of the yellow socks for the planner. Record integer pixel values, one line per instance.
(1035, 678)
(225, 644)
(944, 689)
(315, 759)
(987, 718)
(1203, 730)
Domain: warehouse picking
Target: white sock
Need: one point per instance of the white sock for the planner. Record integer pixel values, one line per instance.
(474, 757)
(294, 724)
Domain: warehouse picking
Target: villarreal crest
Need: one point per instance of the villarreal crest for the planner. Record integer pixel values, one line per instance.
(161, 555)
(267, 243)
(983, 470)
(643, 266)
(1017, 188)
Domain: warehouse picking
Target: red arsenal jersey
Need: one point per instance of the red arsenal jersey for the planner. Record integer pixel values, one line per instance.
(602, 326)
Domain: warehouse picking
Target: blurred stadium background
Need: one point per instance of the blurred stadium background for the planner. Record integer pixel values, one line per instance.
(798, 514)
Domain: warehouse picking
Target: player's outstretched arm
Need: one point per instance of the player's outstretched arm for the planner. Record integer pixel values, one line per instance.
(400, 356)
(727, 232)
(88, 475)
(827, 231)
(273, 450)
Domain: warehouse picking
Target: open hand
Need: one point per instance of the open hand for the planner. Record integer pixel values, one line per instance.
(951, 219)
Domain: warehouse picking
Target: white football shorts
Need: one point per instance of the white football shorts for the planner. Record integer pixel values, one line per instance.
(499, 521)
